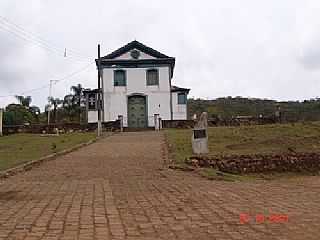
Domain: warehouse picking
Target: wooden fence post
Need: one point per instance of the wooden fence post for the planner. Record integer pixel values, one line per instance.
(1, 117)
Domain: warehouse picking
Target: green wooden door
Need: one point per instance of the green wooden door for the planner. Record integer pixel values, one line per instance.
(137, 112)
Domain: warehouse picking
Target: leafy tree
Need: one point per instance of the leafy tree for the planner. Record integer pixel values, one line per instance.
(35, 111)
(16, 114)
(22, 113)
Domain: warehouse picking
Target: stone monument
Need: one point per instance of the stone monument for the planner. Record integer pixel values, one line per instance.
(200, 135)
(156, 122)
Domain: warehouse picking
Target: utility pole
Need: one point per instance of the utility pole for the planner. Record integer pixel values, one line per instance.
(99, 92)
(50, 95)
(1, 116)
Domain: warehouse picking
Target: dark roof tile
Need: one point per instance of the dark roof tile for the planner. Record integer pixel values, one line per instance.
(179, 89)
(135, 45)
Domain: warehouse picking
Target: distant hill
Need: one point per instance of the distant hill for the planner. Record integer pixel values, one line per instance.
(228, 107)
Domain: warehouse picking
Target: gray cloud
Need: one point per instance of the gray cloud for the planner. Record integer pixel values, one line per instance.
(248, 47)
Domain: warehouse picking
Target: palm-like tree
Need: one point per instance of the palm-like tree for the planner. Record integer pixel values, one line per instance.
(24, 101)
(68, 105)
(55, 102)
(78, 97)
(77, 93)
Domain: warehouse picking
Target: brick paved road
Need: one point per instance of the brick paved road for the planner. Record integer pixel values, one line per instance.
(114, 189)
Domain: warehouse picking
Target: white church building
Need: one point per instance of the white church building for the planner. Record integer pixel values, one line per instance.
(137, 84)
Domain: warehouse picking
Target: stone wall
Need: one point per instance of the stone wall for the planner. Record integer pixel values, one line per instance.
(295, 162)
(64, 127)
(214, 122)
(178, 123)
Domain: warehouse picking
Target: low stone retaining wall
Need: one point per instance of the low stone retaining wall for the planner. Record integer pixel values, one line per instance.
(240, 164)
(178, 123)
(65, 127)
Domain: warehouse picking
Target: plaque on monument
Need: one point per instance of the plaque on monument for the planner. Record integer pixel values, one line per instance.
(199, 133)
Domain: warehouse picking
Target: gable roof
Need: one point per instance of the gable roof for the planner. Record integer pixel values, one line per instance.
(111, 60)
(135, 45)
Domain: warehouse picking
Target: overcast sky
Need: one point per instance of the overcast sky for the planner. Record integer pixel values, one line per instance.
(265, 48)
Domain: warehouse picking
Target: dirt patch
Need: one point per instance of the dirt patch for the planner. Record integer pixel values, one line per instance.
(268, 142)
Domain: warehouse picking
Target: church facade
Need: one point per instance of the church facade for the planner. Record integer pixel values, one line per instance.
(137, 84)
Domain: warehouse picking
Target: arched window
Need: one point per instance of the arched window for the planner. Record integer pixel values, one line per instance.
(120, 78)
(152, 77)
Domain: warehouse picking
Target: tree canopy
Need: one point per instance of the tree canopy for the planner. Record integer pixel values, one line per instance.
(68, 109)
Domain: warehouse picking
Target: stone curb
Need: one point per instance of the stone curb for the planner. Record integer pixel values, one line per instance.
(29, 165)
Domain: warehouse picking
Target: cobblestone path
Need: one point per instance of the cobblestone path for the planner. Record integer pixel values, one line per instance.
(117, 188)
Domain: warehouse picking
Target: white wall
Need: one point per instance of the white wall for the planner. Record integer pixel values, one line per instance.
(92, 116)
(115, 98)
(179, 110)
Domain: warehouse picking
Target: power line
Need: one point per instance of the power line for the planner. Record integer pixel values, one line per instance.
(75, 72)
(23, 93)
(28, 40)
(17, 28)
(66, 77)
(23, 34)
(20, 29)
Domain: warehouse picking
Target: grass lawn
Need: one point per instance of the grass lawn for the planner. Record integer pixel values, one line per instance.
(19, 148)
(264, 139)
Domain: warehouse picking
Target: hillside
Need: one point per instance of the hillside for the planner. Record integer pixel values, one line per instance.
(261, 139)
(226, 108)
